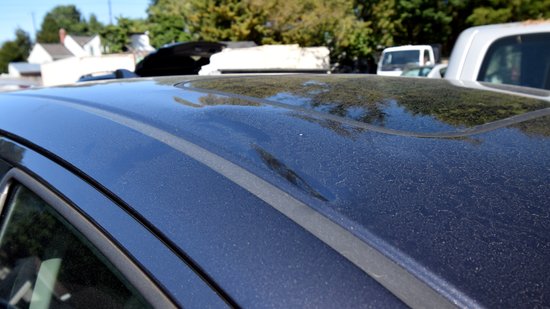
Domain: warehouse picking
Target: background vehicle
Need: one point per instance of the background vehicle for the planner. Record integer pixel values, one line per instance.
(394, 59)
(120, 73)
(510, 54)
(11, 84)
(178, 59)
(274, 191)
(430, 71)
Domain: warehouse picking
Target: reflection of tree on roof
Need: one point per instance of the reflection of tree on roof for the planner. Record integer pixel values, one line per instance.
(213, 100)
(338, 94)
(535, 127)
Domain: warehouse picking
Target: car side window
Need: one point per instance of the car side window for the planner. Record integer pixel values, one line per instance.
(46, 263)
(426, 57)
(521, 60)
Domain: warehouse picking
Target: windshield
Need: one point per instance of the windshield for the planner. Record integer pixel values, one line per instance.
(398, 59)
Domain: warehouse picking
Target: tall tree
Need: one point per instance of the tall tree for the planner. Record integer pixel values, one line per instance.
(422, 21)
(167, 22)
(350, 28)
(228, 20)
(116, 38)
(93, 26)
(329, 23)
(399, 22)
(501, 11)
(16, 50)
(383, 19)
(62, 16)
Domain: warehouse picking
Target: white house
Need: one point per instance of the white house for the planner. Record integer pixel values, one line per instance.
(82, 46)
(75, 56)
(69, 46)
(44, 53)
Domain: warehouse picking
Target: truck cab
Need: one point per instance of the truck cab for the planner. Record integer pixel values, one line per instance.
(394, 59)
(503, 55)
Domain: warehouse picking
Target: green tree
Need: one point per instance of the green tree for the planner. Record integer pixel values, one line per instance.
(399, 22)
(382, 16)
(93, 26)
(350, 28)
(422, 21)
(16, 50)
(459, 10)
(228, 20)
(501, 11)
(167, 22)
(116, 38)
(330, 23)
(62, 16)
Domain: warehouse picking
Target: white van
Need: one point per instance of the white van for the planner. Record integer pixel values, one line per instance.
(394, 59)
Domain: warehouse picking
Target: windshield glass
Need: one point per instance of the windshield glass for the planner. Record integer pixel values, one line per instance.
(398, 59)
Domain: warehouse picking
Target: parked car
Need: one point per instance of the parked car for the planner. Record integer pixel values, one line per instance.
(183, 58)
(274, 191)
(12, 84)
(417, 71)
(515, 54)
(117, 74)
(430, 71)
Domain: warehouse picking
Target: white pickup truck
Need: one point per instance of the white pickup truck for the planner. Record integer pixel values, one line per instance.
(394, 59)
(516, 54)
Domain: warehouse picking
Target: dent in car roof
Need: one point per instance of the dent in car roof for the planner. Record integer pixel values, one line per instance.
(471, 212)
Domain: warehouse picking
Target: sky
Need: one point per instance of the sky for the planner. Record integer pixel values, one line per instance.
(19, 13)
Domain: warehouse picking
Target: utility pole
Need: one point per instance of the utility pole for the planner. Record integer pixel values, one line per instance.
(110, 13)
(33, 25)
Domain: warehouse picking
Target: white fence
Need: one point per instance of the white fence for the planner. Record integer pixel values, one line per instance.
(68, 71)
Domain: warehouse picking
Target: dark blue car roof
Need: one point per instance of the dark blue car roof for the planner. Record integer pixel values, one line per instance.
(452, 185)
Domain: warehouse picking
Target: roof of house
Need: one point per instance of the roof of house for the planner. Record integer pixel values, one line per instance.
(82, 40)
(57, 51)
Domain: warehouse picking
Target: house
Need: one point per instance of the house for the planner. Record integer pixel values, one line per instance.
(82, 46)
(69, 46)
(75, 56)
(45, 53)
